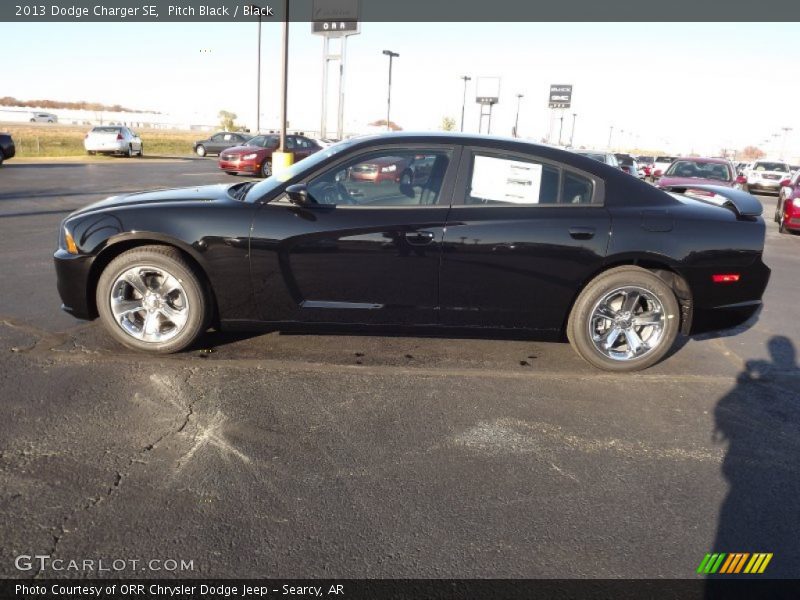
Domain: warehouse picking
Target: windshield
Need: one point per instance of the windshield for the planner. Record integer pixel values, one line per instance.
(270, 184)
(264, 141)
(699, 170)
(772, 166)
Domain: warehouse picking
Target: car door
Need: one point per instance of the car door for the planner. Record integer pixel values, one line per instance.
(216, 144)
(367, 253)
(522, 235)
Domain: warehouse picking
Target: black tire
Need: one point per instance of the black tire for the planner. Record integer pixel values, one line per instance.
(406, 178)
(234, 173)
(778, 211)
(200, 150)
(782, 224)
(266, 169)
(579, 323)
(169, 260)
(141, 151)
(33, 120)
(91, 152)
(130, 151)
(2, 158)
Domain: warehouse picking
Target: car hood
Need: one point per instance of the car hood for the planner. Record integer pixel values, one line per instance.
(667, 181)
(204, 193)
(246, 149)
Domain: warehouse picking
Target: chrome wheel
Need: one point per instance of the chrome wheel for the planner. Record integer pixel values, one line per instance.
(266, 169)
(149, 304)
(627, 323)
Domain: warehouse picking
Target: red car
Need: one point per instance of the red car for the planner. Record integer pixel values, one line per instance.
(700, 171)
(255, 158)
(787, 213)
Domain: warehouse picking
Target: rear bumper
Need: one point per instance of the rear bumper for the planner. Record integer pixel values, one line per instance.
(106, 146)
(72, 281)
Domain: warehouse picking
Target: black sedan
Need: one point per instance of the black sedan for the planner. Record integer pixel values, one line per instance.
(496, 234)
(220, 141)
(7, 147)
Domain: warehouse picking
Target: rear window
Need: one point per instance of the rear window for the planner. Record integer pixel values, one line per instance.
(771, 166)
(624, 159)
(699, 170)
(106, 130)
(665, 159)
(599, 157)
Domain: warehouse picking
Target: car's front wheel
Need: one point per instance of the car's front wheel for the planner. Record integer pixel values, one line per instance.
(626, 319)
(141, 151)
(201, 150)
(266, 169)
(151, 299)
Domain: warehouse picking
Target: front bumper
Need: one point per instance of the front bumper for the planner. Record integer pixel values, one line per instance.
(72, 281)
(765, 184)
(251, 167)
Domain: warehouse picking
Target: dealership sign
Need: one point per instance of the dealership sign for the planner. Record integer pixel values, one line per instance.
(333, 18)
(560, 96)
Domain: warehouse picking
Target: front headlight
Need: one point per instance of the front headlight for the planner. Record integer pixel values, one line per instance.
(250, 156)
(796, 202)
(389, 169)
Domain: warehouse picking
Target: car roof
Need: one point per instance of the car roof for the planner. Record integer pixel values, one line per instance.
(723, 161)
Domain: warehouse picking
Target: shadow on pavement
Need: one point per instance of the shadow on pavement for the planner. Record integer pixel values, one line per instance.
(760, 421)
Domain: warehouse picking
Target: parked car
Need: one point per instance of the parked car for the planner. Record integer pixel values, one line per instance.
(43, 117)
(709, 171)
(787, 211)
(220, 141)
(645, 165)
(603, 157)
(766, 175)
(660, 164)
(116, 139)
(255, 156)
(502, 235)
(628, 164)
(7, 147)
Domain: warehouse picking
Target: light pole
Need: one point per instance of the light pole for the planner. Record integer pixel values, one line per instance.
(516, 120)
(560, 127)
(391, 56)
(610, 132)
(786, 131)
(464, 100)
(257, 9)
(284, 74)
(572, 135)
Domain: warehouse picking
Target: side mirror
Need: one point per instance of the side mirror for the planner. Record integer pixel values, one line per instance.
(658, 173)
(785, 182)
(298, 194)
(741, 179)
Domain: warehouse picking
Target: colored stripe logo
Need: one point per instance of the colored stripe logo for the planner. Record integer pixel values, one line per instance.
(734, 563)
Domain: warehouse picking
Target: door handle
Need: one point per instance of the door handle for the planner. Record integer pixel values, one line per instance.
(581, 233)
(419, 238)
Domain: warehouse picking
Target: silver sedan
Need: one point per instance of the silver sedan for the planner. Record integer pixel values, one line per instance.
(113, 139)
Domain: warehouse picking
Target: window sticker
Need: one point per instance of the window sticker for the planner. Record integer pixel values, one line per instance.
(504, 180)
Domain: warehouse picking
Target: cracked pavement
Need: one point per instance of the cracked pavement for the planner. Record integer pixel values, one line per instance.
(364, 456)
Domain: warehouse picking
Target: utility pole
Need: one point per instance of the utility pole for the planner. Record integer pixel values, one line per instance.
(257, 9)
(786, 131)
(391, 55)
(284, 74)
(516, 121)
(572, 135)
(464, 101)
(610, 132)
(560, 127)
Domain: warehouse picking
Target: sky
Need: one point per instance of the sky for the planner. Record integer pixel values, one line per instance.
(678, 87)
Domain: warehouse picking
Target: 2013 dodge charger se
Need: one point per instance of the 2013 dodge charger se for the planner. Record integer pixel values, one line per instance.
(494, 233)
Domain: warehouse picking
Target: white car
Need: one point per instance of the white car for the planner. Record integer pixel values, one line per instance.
(113, 139)
(43, 117)
(766, 175)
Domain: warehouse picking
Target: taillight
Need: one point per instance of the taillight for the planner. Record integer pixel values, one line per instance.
(119, 137)
(725, 278)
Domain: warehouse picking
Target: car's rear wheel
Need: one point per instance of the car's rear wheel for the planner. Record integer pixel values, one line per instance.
(201, 150)
(234, 173)
(266, 169)
(129, 152)
(2, 158)
(626, 319)
(151, 299)
(91, 152)
(778, 210)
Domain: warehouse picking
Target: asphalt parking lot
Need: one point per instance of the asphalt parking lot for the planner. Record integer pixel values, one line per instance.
(361, 456)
